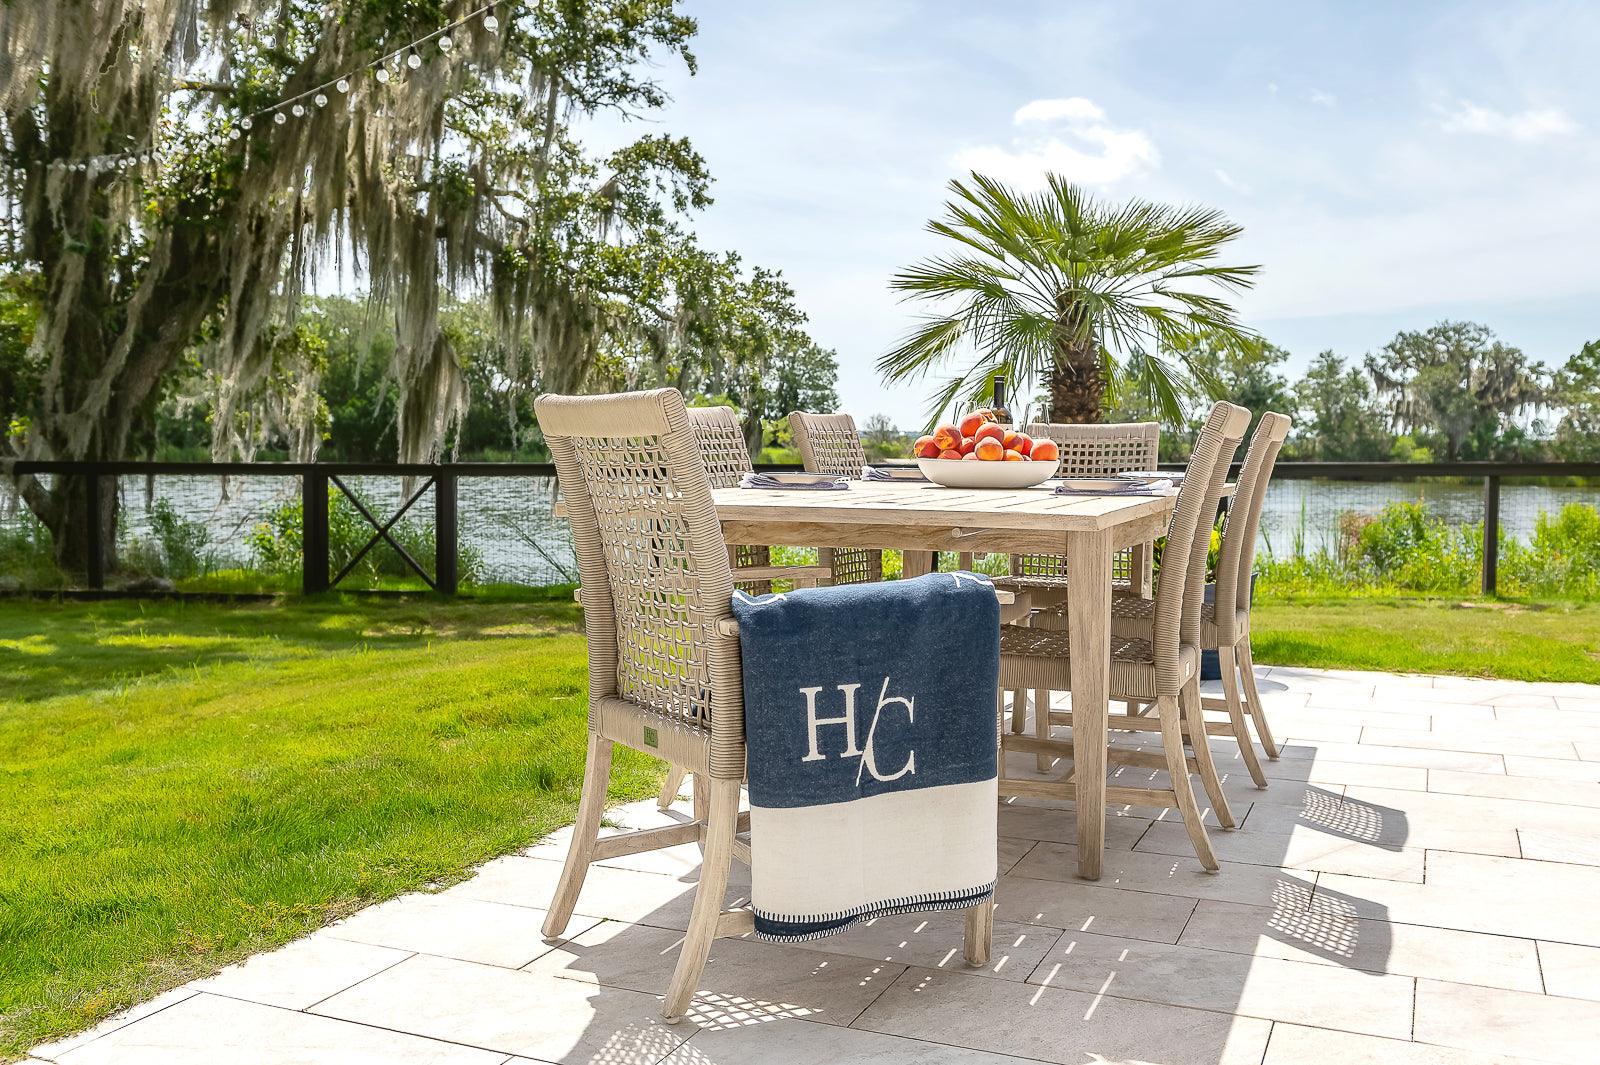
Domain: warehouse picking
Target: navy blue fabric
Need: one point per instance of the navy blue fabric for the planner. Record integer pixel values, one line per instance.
(932, 642)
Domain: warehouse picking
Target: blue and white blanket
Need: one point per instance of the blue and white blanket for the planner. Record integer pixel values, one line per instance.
(870, 725)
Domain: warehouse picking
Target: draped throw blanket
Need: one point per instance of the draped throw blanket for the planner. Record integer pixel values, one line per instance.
(871, 732)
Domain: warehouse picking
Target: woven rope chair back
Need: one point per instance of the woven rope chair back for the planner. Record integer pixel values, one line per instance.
(654, 566)
(1181, 590)
(1092, 451)
(721, 444)
(829, 444)
(1238, 554)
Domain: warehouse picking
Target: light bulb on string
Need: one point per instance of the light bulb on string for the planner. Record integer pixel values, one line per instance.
(299, 110)
(280, 118)
(321, 99)
(382, 75)
(446, 43)
(491, 22)
(413, 60)
(343, 85)
(246, 122)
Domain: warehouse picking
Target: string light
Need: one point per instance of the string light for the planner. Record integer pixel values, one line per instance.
(490, 21)
(413, 60)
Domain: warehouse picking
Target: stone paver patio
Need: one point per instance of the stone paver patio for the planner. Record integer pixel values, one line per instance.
(1418, 886)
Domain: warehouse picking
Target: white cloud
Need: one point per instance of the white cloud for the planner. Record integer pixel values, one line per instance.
(1323, 99)
(1230, 182)
(1532, 124)
(1069, 136)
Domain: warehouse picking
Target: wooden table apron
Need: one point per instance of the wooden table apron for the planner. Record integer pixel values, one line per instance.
(1088, 530)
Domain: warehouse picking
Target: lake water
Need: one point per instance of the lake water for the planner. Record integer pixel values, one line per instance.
(507, 520)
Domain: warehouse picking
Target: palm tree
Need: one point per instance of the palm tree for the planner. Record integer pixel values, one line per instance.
(1093, 299)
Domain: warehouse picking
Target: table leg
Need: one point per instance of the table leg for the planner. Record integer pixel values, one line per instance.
(918, 563)
(1089, 639)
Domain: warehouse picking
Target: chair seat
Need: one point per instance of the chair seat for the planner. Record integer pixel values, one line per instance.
(1039, 658)
(1132, 615)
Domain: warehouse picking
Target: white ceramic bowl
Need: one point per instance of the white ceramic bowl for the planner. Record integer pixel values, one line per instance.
(958, 473)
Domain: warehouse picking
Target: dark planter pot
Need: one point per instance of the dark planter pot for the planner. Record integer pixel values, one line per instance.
(1210, 663)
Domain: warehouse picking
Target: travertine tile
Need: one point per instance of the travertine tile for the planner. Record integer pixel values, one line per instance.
(208, 1030)
(937, 940)
(1012, 851)
(453, 927)
(1478, 893)
(1328, 933)
(1294, 1044)
(764, 979)
(1524, 789)
(615, 894)
(1271, 988)
(303, 973)
(1458, 813)
(1135, 871)
(529, 1014)
(1507, 1022)
(1572, 848)
(165, 1000)
(1303, 848)
(1571, 971)
(785, 1042)
(1552, 768)
(1059, 1026)
(1370, 753)
(1461, 740)
(1079, 905)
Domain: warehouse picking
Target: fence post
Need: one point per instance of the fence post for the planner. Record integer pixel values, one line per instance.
(94, 514)
(314, 533)
(445, 545)
(1491, 533)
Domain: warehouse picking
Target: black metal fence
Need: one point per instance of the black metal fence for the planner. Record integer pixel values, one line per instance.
(318, 526)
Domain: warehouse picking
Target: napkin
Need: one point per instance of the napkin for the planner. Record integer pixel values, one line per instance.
(811, 482)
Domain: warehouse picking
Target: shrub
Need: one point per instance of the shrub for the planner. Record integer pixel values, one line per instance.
(175, 548)
(277, 545)
(27, 554)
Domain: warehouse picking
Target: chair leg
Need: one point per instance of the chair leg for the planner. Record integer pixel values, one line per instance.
(1019, 710)
(1178, 770)
(1200, 742)
(1241, 730)
(980, 933)
(671, 787)
(1258, 711)
(1041, 724)
(591, 805)
(721, 826)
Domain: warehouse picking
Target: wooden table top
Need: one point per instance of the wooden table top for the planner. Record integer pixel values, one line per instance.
(913, 504)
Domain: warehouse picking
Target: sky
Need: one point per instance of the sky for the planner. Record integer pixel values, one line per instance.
(1392, 164)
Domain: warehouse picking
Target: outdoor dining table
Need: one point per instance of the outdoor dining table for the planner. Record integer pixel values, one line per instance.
(921, 519)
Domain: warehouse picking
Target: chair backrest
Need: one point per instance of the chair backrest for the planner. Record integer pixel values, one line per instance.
(721, 444)
(1238, 554)
(828, 443)
(1092, 451)
(654, 566)
(1096, 450)
(1181, 591)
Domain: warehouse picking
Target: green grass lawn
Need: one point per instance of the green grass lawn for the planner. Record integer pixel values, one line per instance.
(184, 784)
(1474, 638)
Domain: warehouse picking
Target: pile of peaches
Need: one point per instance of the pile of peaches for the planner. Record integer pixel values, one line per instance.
(978, 437)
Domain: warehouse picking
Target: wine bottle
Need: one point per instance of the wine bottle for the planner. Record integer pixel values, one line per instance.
(1002, 413)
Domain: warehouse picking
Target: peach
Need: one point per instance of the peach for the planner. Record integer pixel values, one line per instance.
(1015, 456)
(1045, 451)
(967, 444)
(925, 448)
(948, 437)
(971, 423)
(1015, 440)
(990, 431)
(969, 457)
(950, 453)
(988, 449)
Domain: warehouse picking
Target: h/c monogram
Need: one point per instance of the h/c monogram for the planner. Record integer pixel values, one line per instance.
(867, 754)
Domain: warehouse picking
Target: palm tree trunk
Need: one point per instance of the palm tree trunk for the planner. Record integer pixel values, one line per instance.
(1076, 387)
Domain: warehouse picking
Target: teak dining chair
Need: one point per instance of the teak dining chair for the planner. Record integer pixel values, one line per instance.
(722, 446)
(830, 444)
(1161, 667)
(664, 666)
(1225, 612)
